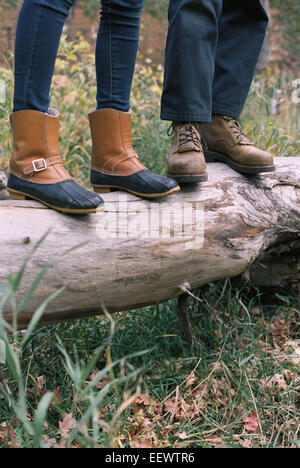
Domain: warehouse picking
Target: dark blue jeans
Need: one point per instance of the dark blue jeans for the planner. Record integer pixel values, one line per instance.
(212, 50)
(38, 35)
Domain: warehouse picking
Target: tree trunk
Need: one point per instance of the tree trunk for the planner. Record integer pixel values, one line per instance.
(4, 195)
(137, 253)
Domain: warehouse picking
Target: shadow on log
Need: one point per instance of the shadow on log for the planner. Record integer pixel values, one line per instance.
(138, 253)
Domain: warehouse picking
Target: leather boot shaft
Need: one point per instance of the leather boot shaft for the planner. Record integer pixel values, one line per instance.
(112, 145)
(36, 147)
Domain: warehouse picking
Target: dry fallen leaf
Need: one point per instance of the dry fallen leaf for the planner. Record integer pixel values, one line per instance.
(288, 374)
(7, 436)
(215, 441)
(251, 422)
(50, 443)
(245, 443)
(144, 444)
(182, 435)
(40, 382)
(66, 425)
(150, 403)
(255, 311)
(279, 330)
(145, 400)
(276, 383)
(294, 347)
(191, 380)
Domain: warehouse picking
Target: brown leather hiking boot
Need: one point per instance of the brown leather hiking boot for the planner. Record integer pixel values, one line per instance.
(115, 164)
(226, 142)
(186, 163)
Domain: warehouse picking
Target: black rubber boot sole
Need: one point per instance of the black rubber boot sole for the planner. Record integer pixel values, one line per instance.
(113, 188)
(188, 179)
(144, 184)
(16, 195)
(211, 156)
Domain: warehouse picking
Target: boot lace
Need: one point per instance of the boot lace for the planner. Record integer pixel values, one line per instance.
(240, 135)
(187, 134)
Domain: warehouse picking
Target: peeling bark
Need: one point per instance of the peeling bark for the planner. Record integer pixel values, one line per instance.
(4, 195)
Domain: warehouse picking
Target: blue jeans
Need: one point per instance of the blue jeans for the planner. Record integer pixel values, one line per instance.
(37, 40)
(212, 50)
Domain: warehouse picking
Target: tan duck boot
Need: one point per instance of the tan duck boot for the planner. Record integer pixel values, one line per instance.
(115, 164)
(36, 168)
(186, 163)
(226, 142)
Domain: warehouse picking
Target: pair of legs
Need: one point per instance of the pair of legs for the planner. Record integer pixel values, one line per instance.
(211, 54)
(36, 169)
(38, 36)
(217, 44)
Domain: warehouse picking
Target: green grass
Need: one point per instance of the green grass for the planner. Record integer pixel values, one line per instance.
(243, 362)
(244, 359)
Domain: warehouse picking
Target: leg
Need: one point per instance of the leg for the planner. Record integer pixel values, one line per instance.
(38, 35)
(189, 70)
(190, 60)
(116, 52)
(115, 165)
(241, 34)
(36, 168)
(242, 31)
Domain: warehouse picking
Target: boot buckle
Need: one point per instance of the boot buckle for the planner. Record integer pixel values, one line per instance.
(39, 169)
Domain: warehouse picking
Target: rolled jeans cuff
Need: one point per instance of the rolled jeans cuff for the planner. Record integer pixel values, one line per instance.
(174, 117)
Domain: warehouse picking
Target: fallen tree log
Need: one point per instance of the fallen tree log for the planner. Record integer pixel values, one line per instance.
(137, 253)
(4, 195)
